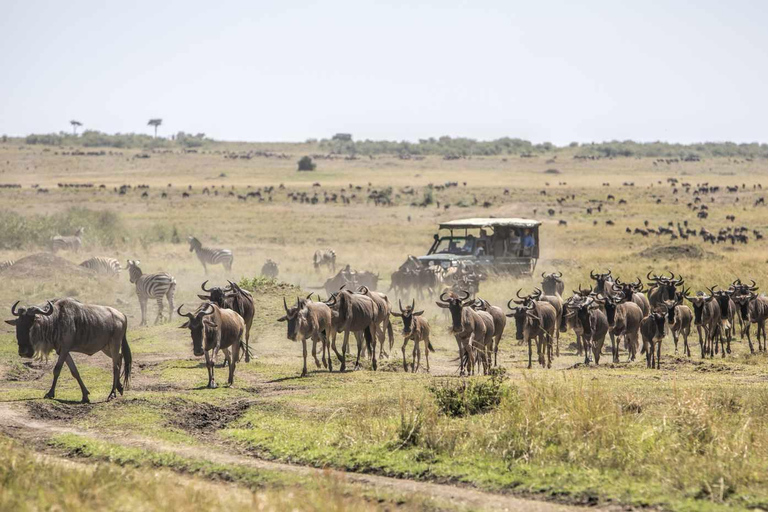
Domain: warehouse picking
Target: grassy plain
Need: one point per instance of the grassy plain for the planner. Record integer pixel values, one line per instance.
(691, 436)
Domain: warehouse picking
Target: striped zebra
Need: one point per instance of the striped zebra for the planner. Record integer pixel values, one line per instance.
(5, 264)
(208, 256)
(103, 265)
(325, 257)
(68, 243)
(155, 286)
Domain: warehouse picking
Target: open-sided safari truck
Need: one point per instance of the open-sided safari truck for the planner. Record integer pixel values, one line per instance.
(498, 245)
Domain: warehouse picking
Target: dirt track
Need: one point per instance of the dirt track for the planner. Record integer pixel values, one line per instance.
(15, 422)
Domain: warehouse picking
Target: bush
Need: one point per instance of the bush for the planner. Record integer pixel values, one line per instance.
(468, 397)
(306, 164)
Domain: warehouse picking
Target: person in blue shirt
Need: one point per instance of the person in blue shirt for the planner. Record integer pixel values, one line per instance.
(528, 241)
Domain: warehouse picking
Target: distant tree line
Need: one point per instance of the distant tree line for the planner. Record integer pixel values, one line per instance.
(93, 138)
(629, 148)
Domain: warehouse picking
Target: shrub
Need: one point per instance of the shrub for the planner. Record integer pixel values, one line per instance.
(468, 397)
(306, 164)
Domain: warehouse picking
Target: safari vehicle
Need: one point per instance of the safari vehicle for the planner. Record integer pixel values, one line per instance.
(499, 245)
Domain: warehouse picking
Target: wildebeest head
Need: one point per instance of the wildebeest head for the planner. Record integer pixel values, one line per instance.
(295, 317)
(407, 315)
(25, 318)
(197, 323)
(667, 285)
(610, 303)
(659, 316)
(194, 243)
(215, 294)
(455, 305)
(551, 282)
(523, 315)
(601, 279)
(580, 310)
(627, 289)
(698, 302)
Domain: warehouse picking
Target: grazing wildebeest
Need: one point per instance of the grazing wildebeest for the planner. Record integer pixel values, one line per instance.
(594, 325)
(156, 286)
(499, 323)
(215, 329)
(210, 256)
(416, 328)
(679, 319)
(652, 330)
(355, 312)
(66, 326)
(552, 284)
(325, 258)
(467, 327)
(624, 321)
(307, 320)
(535, 319)
(706, 315)
(68, 243)
(270, 269)
(238, 300)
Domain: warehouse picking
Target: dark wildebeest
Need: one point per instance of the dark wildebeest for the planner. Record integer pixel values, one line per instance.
(603, 282)
(66, 326)
(662, 288)
(536, 319)
(594, 325)
(633, 292)
(706, 315)
(624, 322)
(754, 310)
(238, 300)
(416, 328)
(652, 330)
(679, 319)
(355, 312)
(552, 284)
(214, 329)
(727, 313)
(499, 323)
(383, 322)
(307, 320)
(467, 326)
(557, 302)
(325, 258)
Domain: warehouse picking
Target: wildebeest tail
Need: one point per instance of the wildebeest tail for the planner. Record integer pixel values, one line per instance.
(390, 333)
(369, 340)
(127, 361)
(430, 347)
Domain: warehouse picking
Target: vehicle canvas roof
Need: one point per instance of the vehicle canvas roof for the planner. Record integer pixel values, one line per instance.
(490, 222)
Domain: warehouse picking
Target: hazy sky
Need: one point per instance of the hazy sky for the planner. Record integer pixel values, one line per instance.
(556, 71)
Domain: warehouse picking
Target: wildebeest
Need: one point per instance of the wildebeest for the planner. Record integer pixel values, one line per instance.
(416, 328)
(383, 322)
(499, 323)
(706, 315)
(662, 288)
(536, 319)
(679, 319)
(355, 312)
(238, 300)
(68, 243)
(326, 257)
(214, 329)
(350, 279)
(624, 322)
(633, 292)
(66, 326)
(557, 303)
(270, 269)
(552, 284)
(310, 320)
(594, 325)
(652, 330)
(603, 282)
(211, 256)
(754, 310)
(467, 327)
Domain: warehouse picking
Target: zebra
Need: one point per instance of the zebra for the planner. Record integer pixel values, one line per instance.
(5, 264)
(154, 286)
(103, 265)
(68, 243)
(325, 257)
(208, 256)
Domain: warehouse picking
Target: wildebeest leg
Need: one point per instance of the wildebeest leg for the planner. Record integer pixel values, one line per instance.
(115, 373)
(675, 334)
(470, 351)
(416, 356)
(370, 334)
(557, 337)
(658, 355)
(209, 361)
(701, 341)
(426, 350)
(304, 351)
(405, 362)
(360, 347)
(530, 353)
(745, 330)
(234, 360)
(56, 371)
(159, 310)
(315, 340)
(761, 329)
(247, 339)
(76, 374)
(597, 350)
(579, 344)
(549, 339)
(686, 348)
(227, 358)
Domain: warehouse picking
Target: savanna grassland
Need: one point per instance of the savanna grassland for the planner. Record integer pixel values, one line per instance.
(691, 436)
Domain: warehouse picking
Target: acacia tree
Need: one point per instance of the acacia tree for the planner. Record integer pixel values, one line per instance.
(155, 123)
(75, 124)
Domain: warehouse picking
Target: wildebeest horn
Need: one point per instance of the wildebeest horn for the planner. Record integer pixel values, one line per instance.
(47, 312)
(309, 297)
(413, 305)
(285, 305)
(400, 302)
(209, 305)
(509, 304)
(654, 278)
(518, 294)
(188, 315)
(466, 295)
(442, 299)
(753, 286)
(559, 274)
(363, 289)
(592, 274)
(608, 273)
(203, 286)
(671, 276)
(616, 288)
(543, 274)
(13, 309)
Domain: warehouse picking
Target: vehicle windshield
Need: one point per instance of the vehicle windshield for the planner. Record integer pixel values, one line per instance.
(455, 245)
